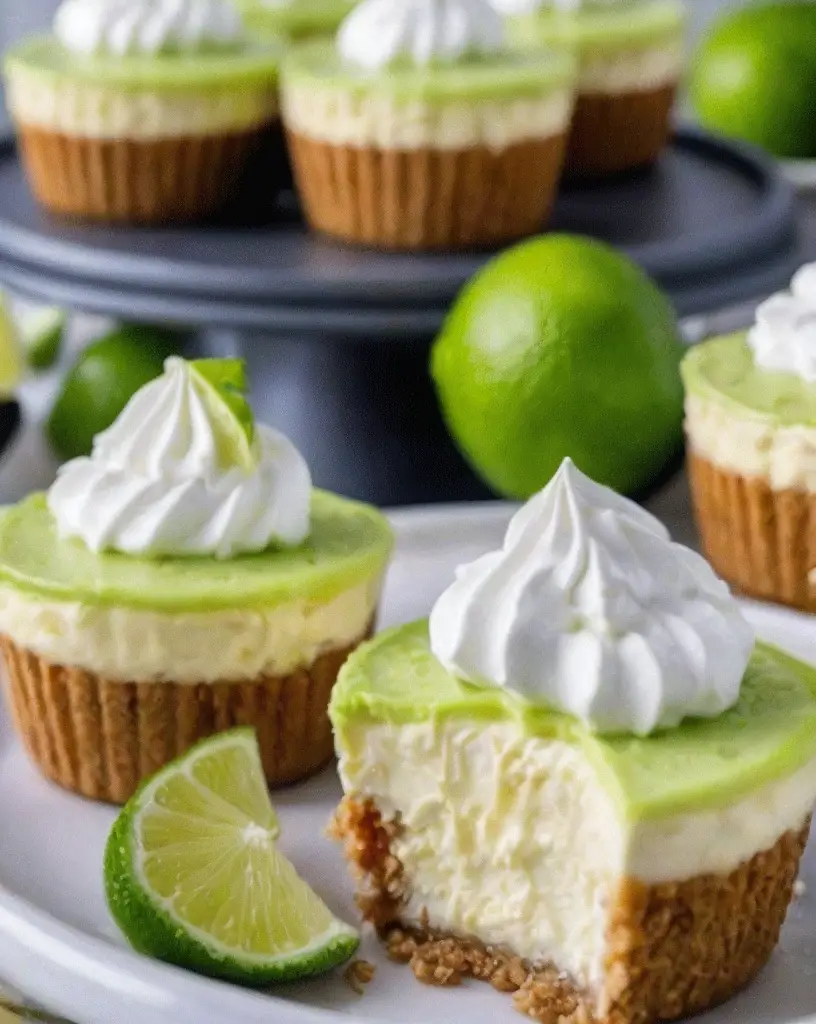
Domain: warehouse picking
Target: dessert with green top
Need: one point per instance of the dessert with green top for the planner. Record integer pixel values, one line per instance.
(295, 20)
(751, 430)
(419, 129)
(630, 55)
(182, 579)
(144, 111)
(582, 779)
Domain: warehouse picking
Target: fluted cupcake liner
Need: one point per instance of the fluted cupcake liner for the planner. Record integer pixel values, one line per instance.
(100, 737)
(761, 541)
(152, 181)
(427, 198)
(613, 132)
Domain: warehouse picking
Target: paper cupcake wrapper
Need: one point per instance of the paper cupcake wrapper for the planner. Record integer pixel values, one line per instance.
(150, 181)
(427, 199)
(101, 737)
(761, 541)
(618, 132)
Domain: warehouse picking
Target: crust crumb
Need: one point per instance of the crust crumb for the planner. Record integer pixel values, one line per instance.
(358, 974)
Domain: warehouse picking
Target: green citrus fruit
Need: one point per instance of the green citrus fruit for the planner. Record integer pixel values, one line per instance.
(562, 346)
(222, 385)
(42, 330)
(11, 356)
(102, 381)
(753, 77)
(193, 875)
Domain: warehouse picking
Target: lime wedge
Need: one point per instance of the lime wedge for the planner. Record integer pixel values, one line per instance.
(41, 332)
(11, 357)
(193, 876)
(222, 385)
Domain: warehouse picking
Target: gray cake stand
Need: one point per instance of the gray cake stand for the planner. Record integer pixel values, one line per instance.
(337, 338)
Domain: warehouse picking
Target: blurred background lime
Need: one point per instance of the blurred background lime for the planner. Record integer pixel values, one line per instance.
(753, 77)
(102, 381)
(562, 346)
(12, 363)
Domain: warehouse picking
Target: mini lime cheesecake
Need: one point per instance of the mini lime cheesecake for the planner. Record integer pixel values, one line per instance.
(631, 58)
(183, 579)
(417, 128)
(751, 429)
(144, 113)
(582, 780)
(295, 20)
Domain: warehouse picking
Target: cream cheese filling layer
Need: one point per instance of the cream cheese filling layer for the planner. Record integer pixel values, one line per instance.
(190, 647)
(512, 838)
(99, 112)
(783, 456)
(639, 70)
(383, 121)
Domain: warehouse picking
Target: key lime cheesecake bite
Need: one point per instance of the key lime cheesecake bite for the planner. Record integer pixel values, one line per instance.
(631, 59)
(295, 20)
(582, 780)
(418, 128)
(142, 111)
(182, 579)
(751, 430)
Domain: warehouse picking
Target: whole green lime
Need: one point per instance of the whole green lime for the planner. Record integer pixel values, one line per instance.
(753, 77)
(562, 346)
(102, 381)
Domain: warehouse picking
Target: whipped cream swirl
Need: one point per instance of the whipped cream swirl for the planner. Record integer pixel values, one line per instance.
(129, 27)
(590, 608)
(155, 484)
(379, 33)
(783, 337)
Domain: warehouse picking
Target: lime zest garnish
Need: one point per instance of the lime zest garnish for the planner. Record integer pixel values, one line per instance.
(222, 384)
(193, 875)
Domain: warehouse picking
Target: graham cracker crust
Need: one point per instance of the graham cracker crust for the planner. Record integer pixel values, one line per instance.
(427, 199)
(147, 181)
(761, 541)
(675, 948)
(101, 738)
(617, 132)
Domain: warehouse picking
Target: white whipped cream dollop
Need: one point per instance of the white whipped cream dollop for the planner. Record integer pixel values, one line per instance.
(783, 337)
(155, 484)
(590, 608)
(379, 33)
(127, 27)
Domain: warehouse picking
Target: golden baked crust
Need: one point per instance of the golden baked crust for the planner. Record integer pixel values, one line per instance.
(674, 949)
(760, 540)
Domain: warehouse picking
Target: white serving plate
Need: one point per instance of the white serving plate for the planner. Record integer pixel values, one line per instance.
(59, 945)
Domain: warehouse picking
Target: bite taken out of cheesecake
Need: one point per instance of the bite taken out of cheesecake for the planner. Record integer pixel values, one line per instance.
(183, 579)
(583, 781)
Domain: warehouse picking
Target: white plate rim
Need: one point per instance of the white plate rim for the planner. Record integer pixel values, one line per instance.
(72, 973)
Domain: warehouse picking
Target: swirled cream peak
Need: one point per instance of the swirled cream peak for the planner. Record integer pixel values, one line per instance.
(156, 482)
(590, 608)
(126, 27)
(379, 33)
(783, 337)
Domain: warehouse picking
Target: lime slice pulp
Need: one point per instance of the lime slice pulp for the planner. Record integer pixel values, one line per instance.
(222, 385)
(193, 875)
(41, 333)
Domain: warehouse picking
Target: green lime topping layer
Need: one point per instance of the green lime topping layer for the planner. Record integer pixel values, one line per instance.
(193, 874)
(723, 370)
(620, 27)
(703, 763)
(296, 20)
(255, 64)
(496, 77)
(349, 543)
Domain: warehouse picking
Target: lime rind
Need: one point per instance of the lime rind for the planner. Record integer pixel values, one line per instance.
(41, 332)
(151, 921)
(222, 385)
